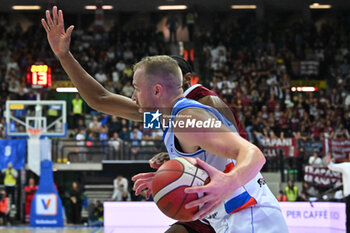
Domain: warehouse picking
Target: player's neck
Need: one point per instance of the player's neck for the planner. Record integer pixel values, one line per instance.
(168, 106)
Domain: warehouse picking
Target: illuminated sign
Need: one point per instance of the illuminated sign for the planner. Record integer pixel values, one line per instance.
(320, 84)
(304, 89)
(39, 76)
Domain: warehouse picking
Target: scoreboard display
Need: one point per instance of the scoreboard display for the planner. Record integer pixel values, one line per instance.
(39, 76)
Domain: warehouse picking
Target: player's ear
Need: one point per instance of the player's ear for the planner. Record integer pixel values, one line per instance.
(157, 89)
(187, 79)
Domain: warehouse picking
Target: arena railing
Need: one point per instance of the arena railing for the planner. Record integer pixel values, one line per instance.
(95, 151)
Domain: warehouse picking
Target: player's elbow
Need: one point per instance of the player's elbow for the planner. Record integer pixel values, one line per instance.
(259, 156)
(98, 102)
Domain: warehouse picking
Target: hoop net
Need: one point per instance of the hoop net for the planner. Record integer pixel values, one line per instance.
(34, 133)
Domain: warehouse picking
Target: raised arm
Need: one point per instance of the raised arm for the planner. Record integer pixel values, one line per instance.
(92, 91)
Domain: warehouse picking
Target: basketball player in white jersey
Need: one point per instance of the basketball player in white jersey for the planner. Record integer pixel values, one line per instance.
(158, 84)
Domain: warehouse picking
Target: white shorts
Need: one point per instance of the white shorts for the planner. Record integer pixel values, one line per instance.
(254, 219)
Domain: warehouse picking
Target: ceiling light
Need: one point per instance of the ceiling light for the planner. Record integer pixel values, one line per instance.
(26, 8)
(66, 89)
(104, 7)
(172, 7)
(319, 6)
(304, 89)
(243, 7)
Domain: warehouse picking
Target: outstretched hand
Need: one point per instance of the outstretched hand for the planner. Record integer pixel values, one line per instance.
(216, 191)
(143, 181)
(58, 38)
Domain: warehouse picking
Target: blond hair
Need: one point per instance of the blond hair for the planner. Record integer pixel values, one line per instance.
(161, 69)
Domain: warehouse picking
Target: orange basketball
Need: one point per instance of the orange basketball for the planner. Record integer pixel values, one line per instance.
(168, 188)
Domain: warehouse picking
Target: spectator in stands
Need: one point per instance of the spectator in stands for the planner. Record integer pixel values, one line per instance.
(128, 72)
(291, 191)
(343, 168)
(77, 112)
(281, 196)
(172, 26)
(127, 89)
(2, 127)
(135, 137)
(10, 181)
(303, 197)
(342, 132)
(80, 137)
(309, 191)
(114, 125)
(81, 125)
(116, 142)
(314, 160)
(115, 75)
(347, 101)
(4, 207)
(128, 55)
(96, 216)
(103, 133)
(121, 189)
(120, 66)
(101, 76)
(95, 125)
(190, 22)
(14, 85)
(30, 190)
(124, 134)
(75, 203)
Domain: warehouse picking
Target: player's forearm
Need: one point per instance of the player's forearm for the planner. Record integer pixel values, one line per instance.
(88, 87)
(96, 96)
(249, 163)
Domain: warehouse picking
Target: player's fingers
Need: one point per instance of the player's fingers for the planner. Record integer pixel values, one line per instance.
(198, 202)
(46, 27)
(48, 19)
(209, 169)
(142, 181)
(60, 18)
(196, 189)
(69, 30)
(140, 188)
(148, 194)
(142, 175)
(205, 210)
(54, 15)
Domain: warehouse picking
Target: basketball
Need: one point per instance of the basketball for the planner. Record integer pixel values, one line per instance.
(168, 188)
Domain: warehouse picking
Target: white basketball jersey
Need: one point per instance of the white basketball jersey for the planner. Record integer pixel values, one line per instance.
(254, 193)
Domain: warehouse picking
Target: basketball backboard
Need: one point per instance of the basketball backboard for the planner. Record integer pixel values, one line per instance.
(49, 116)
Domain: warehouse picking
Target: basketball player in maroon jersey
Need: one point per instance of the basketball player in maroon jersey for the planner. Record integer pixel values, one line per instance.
(121, 106)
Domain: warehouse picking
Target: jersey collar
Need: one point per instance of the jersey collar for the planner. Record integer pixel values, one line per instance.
(191, 89)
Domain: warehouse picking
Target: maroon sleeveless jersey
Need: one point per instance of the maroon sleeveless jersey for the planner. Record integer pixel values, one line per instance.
(197, 92)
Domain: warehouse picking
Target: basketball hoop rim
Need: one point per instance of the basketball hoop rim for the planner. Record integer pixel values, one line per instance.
(34, 132)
